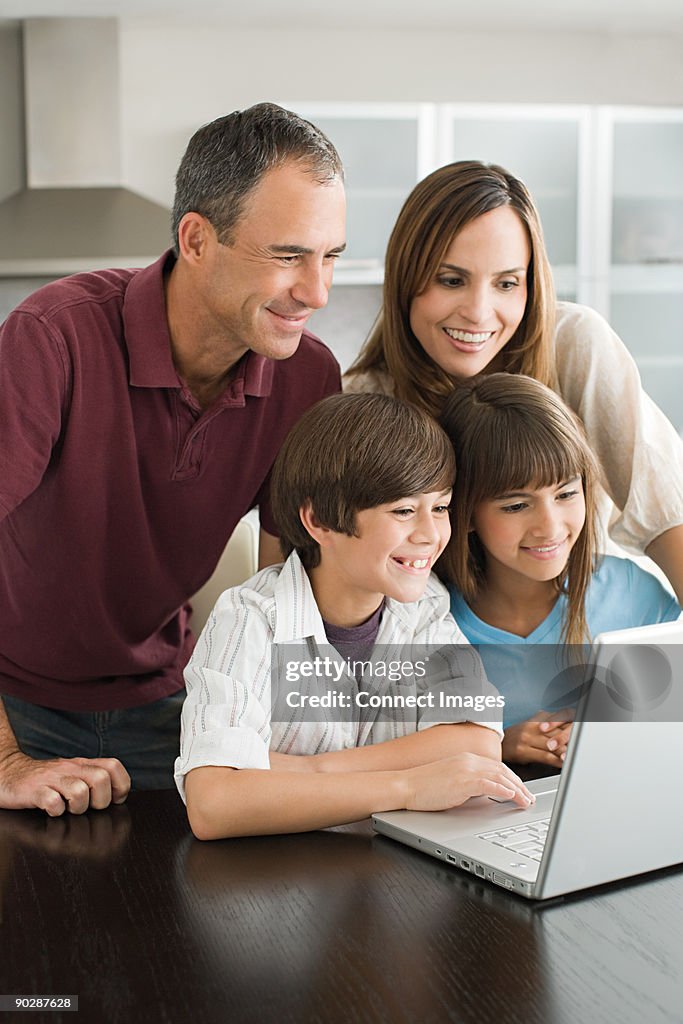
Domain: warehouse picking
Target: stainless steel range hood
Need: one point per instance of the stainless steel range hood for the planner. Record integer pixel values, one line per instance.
(75, 213)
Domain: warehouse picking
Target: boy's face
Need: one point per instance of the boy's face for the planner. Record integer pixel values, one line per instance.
(392, 555)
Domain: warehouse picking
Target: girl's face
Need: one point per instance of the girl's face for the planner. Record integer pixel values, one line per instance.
(474, 304)
(530, 533)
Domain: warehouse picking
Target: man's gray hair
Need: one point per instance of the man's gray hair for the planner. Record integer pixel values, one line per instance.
(226, 159)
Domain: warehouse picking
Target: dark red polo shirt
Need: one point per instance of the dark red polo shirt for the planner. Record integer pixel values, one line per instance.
(117, 493)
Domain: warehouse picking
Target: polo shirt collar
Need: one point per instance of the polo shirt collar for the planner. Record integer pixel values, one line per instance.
(146, 328)
(257, 373)
(149, 342)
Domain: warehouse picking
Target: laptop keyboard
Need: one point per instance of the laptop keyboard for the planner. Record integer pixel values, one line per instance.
(527, 839)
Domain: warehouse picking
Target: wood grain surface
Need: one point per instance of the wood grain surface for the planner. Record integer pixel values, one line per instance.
(145, 924)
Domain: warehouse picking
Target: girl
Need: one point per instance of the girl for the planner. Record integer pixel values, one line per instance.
(521, 564)
(468, 289)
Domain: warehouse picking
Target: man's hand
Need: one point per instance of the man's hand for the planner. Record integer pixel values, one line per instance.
(542, 739)
(64, 784)
(449, 783)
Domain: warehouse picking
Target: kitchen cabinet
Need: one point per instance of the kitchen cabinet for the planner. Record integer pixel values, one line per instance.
(642, 244)
(386, 149)
(546, 147)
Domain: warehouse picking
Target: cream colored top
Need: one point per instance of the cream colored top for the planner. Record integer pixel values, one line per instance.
(639, 449)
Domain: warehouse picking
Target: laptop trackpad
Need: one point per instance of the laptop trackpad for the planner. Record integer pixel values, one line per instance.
(539, 787)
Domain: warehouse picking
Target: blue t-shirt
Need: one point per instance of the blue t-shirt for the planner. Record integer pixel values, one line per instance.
(532, 672)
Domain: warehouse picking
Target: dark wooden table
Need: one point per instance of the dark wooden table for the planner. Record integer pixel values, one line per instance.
(126, 910)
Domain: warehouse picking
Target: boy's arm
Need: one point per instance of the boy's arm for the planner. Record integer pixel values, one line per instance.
(223, 718)
(433, 744)
(227, 802)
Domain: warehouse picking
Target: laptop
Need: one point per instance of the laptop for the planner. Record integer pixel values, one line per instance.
(615, 809)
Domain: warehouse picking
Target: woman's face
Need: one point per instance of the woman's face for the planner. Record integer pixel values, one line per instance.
(474, 303)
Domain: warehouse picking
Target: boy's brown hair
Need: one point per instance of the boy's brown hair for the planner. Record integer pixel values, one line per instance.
(353, 452)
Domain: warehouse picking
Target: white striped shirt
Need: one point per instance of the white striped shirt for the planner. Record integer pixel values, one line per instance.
(226, 717)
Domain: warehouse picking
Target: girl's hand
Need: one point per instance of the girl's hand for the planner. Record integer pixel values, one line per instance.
(542, 739)
(450, 782)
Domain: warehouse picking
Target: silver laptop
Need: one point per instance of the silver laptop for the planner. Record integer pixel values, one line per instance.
(616, 808)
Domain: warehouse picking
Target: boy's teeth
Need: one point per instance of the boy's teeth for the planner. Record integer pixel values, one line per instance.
(467, 336)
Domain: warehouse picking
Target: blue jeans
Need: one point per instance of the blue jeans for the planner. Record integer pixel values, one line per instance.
(146, 739)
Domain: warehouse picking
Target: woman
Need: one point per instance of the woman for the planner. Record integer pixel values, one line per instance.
(468, 289)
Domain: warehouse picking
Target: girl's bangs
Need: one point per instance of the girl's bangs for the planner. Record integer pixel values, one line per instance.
(528, 458)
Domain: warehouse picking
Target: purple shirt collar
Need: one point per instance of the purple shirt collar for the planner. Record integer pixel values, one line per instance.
(149, 343)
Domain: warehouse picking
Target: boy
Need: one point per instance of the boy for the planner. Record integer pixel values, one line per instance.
(360, 494)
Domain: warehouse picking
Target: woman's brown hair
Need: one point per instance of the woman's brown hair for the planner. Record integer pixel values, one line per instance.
(510, 432)
(432, 215)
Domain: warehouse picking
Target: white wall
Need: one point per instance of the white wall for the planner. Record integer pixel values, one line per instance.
(11, 121)
(178, 76)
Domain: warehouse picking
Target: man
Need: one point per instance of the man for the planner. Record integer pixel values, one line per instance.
(140, 415)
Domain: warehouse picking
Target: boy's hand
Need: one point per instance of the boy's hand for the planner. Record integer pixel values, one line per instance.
(542, 739)
(449, 783)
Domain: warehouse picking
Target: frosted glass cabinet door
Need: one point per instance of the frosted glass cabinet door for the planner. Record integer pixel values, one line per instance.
(646, 273)
(541, 150)
(380, 151)
(647, 213)
(649, 324)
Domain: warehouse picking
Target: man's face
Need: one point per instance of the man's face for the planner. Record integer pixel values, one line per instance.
(259, 292)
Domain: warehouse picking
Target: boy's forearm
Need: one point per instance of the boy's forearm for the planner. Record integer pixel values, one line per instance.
(418, 748)
(224, 802)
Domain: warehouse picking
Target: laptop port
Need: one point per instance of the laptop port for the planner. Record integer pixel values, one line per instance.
(478, 870)
(465, 864)
(451, 858)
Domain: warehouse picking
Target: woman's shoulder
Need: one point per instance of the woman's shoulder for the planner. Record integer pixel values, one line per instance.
(587, 350)
(575, 323)
(372, 381)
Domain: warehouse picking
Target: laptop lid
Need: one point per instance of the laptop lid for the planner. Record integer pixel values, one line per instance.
(615, 813)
